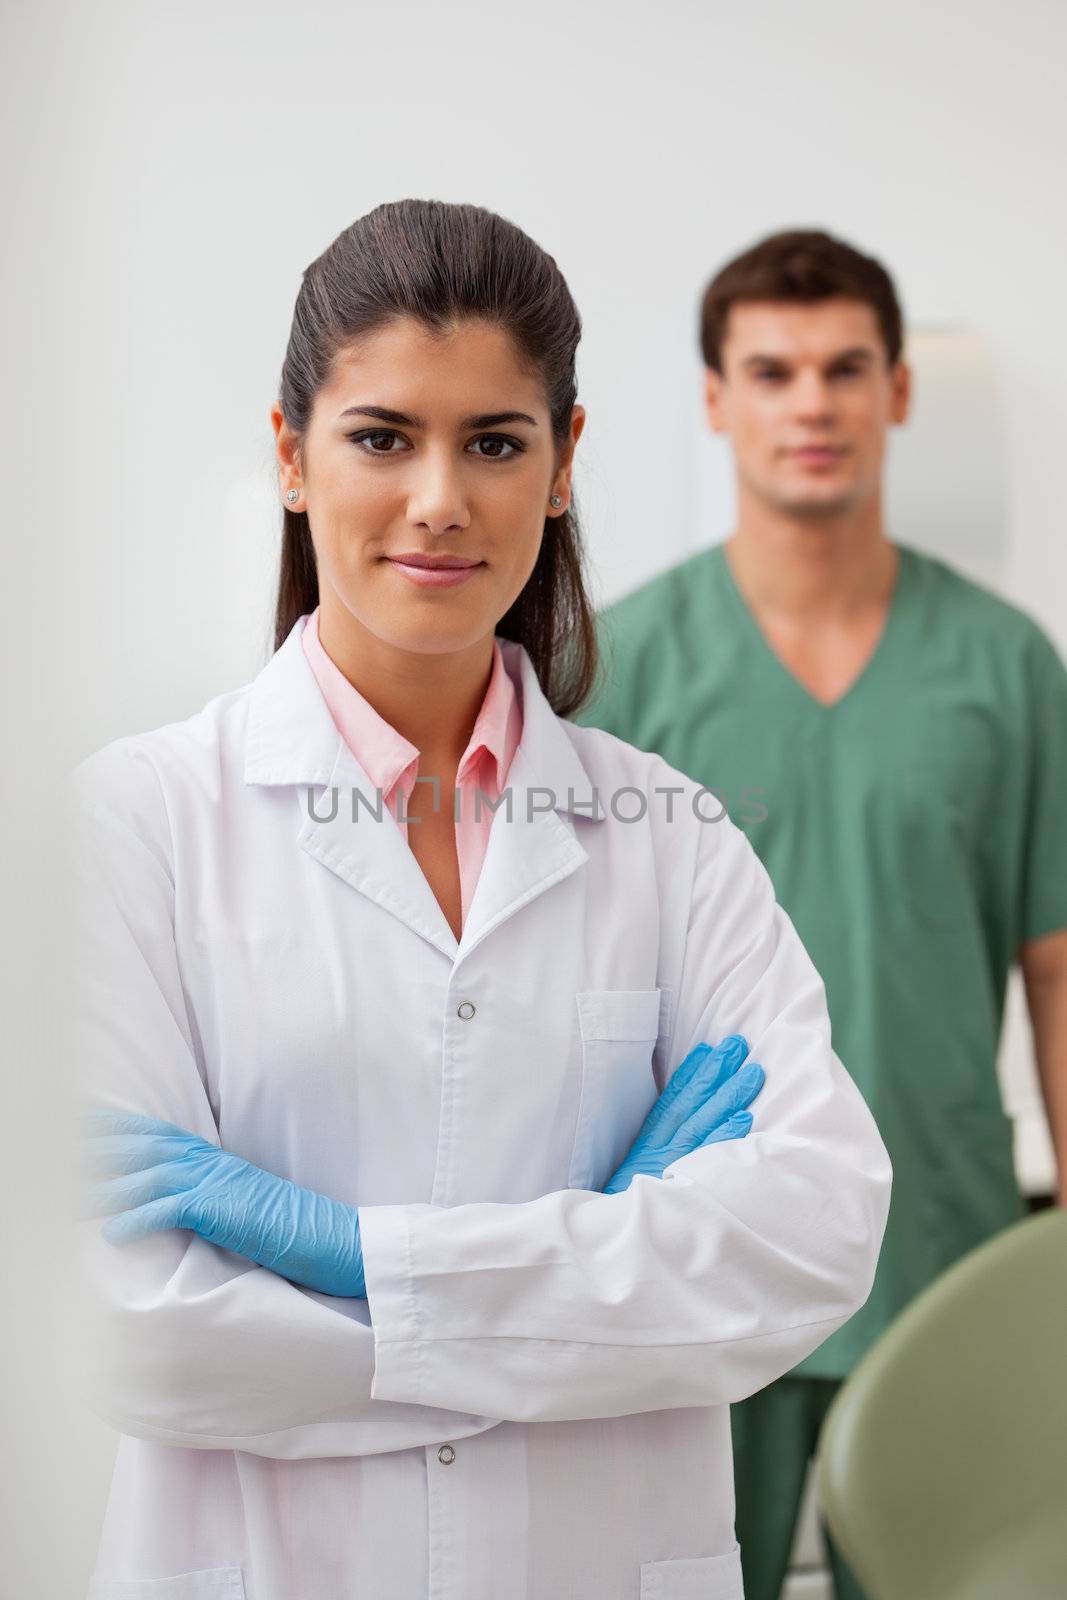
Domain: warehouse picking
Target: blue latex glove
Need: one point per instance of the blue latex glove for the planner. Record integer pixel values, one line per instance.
(703, 1103)
(172, 1179)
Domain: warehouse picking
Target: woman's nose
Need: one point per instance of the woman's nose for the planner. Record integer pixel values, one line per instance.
(438, 497)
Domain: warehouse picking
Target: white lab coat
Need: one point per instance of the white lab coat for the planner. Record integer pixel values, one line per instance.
(533, 1401)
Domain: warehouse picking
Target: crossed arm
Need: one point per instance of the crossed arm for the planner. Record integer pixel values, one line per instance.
(157, 1176)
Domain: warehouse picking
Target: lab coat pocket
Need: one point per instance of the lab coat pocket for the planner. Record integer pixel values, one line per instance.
(619, 1029)
(210, 1583)
(703, 1578)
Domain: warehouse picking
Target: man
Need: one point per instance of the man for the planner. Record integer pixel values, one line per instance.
(893, 739)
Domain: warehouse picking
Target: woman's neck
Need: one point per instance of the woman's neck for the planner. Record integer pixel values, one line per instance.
(431, 700)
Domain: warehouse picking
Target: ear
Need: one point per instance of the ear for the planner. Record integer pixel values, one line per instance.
(287, 451)
(713, 402)
(561, 478)
(900, 393)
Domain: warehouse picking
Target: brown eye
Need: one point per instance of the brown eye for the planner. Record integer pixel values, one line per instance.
(497, 447)
(378, 441)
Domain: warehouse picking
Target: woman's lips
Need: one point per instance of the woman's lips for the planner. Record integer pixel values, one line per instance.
(434, 577)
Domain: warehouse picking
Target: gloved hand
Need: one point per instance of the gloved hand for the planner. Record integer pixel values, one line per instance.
(172, 1179)
(703, 1103)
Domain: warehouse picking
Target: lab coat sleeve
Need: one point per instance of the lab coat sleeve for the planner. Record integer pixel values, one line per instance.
(692, 1290)
(186, 1343)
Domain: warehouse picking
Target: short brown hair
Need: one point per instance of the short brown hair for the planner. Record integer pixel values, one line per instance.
(802, 266)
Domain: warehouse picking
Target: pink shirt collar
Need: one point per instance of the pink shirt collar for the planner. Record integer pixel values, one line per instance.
(385, 755)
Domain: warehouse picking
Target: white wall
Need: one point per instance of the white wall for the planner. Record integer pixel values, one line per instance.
(172, 168)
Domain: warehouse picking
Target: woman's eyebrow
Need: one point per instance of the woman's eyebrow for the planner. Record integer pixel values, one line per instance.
(380, 414)
(493, 419)
(488, 419)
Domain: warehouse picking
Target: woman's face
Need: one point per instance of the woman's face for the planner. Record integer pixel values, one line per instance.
(423, 446)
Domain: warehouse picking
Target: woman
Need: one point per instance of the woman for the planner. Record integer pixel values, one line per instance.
(366, 1322)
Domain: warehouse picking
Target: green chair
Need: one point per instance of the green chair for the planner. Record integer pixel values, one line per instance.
(942, 1468)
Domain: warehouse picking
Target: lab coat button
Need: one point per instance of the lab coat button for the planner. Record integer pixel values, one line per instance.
(446, 1455)
(466, 1010)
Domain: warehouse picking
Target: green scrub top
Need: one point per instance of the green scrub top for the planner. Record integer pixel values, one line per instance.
(915, 832)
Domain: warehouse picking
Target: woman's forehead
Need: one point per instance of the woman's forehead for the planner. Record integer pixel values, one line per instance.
(469, 367)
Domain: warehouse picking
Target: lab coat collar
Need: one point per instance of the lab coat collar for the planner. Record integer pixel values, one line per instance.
(291, 739)
(546, 759)
(291, 736)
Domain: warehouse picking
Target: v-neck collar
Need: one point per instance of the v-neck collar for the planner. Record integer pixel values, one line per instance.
(890, 628)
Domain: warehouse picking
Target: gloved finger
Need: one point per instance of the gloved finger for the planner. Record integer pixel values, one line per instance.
(643, 1164)
(739, 1126)
(652, 1165)
(131, 1152)
(138, 1189)
(702, 1072)
(733, 1097)
(156, 1217)
(712, 1069)
(98, 1122)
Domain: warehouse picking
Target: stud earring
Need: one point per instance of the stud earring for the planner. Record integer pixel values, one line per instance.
(555, 502)
(293, 494)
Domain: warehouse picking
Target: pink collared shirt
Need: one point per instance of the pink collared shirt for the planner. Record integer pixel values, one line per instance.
(391, 762)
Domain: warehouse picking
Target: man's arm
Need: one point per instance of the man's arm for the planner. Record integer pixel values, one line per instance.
(1044, 967)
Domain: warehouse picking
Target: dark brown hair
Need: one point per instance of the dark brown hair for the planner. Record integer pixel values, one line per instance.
(799, 266)
(441, 263)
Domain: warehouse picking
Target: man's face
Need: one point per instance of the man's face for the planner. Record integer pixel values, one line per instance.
(807, 397)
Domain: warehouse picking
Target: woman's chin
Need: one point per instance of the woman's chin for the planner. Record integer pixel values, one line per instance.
(434, 637)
